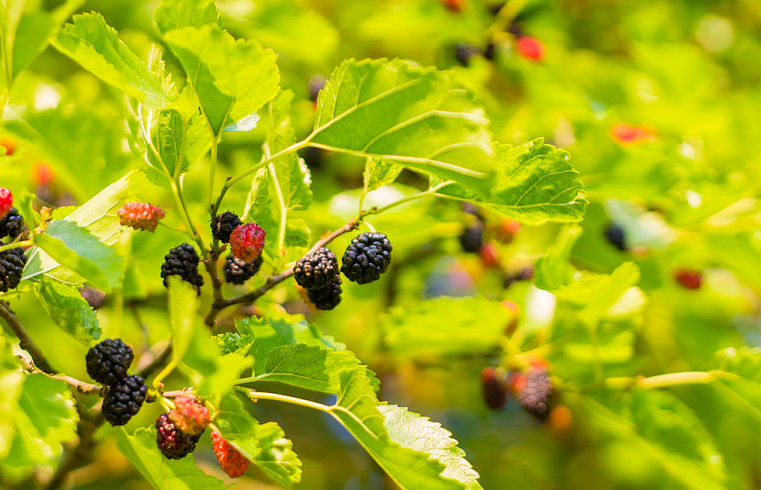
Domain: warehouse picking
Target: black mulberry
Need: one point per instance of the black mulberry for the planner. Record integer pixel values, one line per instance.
(616, 236)
(238, 271)
(182, 261)
(224, 224)
(12, 224)
(108, 361)
(124, 400)
(12, 264)
(472, 238)
(493, 388)
(316, 270)
(173, 442)
(328, 297)
(366, 258)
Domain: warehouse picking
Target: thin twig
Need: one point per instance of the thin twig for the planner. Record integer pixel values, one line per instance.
(276, 279)
(25, 341)
(80, 386)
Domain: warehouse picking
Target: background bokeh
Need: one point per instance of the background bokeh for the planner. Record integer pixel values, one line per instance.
(659, 106)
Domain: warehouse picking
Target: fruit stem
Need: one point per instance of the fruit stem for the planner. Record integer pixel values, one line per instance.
(212, 170)
(407, 199)
(258, 395)
(177, 191)
(665, 380)
(25, 243)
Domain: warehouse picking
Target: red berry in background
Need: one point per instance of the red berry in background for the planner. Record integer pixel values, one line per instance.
(233, 462)
(560, 421)
(453, 5)
(9, 147)
(6, 201)
(489, 255)
(189, 415)
(688, 279)
(42, 174)
(247, 241)
(530, 48)
(626, 134)
(493, 388)
(514, 312)
(507, 230)
(140, 215)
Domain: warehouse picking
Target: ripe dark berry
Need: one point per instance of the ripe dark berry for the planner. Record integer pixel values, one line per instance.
(189, 415)
(465, 52)
(472, 238)
(124, 400)
(237, 271)
(493, 388)
(171, 440)
(182, 261)
(6, 201)
(615, 235)
(688, 279)
(108, 361)
(366, 258)
(232, 461)
(12, 224)
(316, 270)
(94, 297)
(224, 224)
(535, 392)
(140, 215)
(247, 241)
(328, 297)
(12, 264)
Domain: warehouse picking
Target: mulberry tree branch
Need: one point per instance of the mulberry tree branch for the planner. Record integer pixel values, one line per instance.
(276, 279)
(25, 341)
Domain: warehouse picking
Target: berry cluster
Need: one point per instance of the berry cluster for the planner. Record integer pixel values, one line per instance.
(108, 363)
(229, 458)
(12, 261)
(182, 261)
(317, 272)
(365, 259)
(533, 390)
(140, 215)
(178, 431)
(246, 242)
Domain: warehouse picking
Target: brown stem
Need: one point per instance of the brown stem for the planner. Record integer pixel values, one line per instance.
(80, 386)
(274, 280)
(25, 341)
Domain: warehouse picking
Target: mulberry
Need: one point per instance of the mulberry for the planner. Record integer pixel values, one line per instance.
(223, 225)
(140, 215)
(328, 297)
(316, 270)
(238, 271)
(171, 440)
(12, 264)
(182, 261)
(124, 400)
(366, 258)
(12, 224)
(232, 461)
(247, 241)
(108, 361)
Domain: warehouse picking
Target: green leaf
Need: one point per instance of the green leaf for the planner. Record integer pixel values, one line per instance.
(420, 456)
(183, 306)
(181, 141)
(98, 217)
(163, 473)
(274, 330)
(45, 419)
(445, 326)
(379, 173)
(92, 43)
(417, 117)
(664, 430)
(76, 249)
(12, 381)
(264, 445)
(232, 79)
(281, 186)
(69, 310)
(173, 14)
(535, 183)
(553, 271)
(311, 367)
(34, 32)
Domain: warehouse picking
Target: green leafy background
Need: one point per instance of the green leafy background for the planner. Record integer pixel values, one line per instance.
(535, 143)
